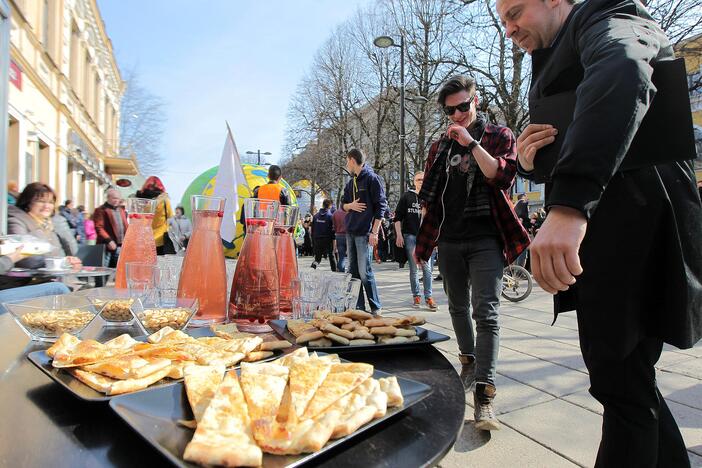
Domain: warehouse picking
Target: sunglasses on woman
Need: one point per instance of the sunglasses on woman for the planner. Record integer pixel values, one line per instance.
(463, 107)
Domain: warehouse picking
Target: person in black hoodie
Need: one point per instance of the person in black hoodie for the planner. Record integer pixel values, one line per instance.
(364, 200)
(621, 204)
(323, 235)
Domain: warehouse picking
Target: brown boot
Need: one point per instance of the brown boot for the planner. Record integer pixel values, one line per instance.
(483, 396)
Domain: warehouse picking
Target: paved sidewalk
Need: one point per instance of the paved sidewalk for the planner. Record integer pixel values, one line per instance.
(549, 419)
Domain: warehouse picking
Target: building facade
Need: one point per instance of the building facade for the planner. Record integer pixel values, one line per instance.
(64, 100)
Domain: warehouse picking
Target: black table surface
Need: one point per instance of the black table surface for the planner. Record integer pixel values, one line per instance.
(44, 425)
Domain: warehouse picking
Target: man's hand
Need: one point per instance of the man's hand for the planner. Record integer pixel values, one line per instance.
(533, 138)
(400, 242)
(356, 205)
(112, 246)
(460, 134)
(554, 251)
(373, 239)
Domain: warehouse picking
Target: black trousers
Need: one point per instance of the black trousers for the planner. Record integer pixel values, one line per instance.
(638, 429)
(324, 245)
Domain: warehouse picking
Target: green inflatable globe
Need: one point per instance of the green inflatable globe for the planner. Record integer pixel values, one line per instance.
(204, 185)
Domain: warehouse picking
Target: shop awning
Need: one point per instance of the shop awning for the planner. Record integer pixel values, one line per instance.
(121, 166)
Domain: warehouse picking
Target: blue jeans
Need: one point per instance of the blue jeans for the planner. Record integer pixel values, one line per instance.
(341, 248)
(410, 244)
(474, 268)
(359, 253)
(30, 292)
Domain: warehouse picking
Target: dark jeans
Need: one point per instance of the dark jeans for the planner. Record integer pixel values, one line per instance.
(341, 248)
(359, 255)
(110, 260)
(638, 429)
(324, 245)
(475, 266)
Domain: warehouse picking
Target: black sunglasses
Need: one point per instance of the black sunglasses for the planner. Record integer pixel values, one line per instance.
(463, 107)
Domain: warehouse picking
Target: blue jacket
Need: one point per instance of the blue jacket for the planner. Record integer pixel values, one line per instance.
(322, 225)
(368, 187)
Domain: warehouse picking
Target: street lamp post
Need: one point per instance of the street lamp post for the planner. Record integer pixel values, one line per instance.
(258, 155)
(384, 42)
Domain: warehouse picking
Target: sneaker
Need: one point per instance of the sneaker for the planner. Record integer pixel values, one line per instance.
(314, 265)
(417, 302)
(377, 312)
(431, 304)
(438, 278)
(467, 373)
(483, 396)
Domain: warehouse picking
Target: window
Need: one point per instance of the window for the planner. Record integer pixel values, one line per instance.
(87, 81)
(96, 99)
(45, 23)
(13, 155)
(44, 163)
(107, 131)
(30, 165)
(75, 58)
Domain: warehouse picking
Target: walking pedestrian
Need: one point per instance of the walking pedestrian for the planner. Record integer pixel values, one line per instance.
(323, 235)
(468, 173)
(339, 222)
(408, 218)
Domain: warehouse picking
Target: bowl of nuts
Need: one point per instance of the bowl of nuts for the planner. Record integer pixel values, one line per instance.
(114, 306)
(47, 318)
(155, 315)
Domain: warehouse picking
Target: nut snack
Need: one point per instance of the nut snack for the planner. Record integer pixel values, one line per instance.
(115, 310)
(157, 318)
(56, 321)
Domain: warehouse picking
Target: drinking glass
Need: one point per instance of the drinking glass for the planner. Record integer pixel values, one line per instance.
(303, 309)
(140, 279)
(166, 281)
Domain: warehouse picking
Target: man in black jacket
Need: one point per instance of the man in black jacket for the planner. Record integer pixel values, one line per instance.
(323, 235)
(634, 283)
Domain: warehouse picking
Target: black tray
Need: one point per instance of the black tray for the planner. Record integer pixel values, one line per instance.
(84, 392)
(426, 337)
(153, 415)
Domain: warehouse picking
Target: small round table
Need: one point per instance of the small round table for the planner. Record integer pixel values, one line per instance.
(44, 425)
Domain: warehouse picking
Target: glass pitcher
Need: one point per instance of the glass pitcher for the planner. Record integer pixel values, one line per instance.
(203, 275)
(138, 244)
(255, 288)
(285, 252)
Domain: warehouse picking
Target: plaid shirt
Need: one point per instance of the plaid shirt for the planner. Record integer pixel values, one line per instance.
(500, 143)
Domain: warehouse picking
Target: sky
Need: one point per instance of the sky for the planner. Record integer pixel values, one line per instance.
(217, 60)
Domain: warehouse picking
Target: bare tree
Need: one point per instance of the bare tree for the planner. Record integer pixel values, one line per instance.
(310, 148)
(682, 22)
(499, 66)
(142, 123)
(427, 26)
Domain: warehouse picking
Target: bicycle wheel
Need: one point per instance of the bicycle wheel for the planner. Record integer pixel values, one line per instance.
(516, 283)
